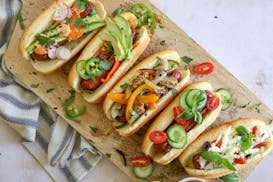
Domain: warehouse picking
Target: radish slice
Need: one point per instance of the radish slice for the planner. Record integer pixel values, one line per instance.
(52, 52)
(63, 53)
(62, 10)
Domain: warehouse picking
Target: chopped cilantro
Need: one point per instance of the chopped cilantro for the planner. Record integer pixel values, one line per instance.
(34, 85)
(67, 20)
(105, 64)
(50, 90)
(186, 59)
(162, 42)
(45, 41)
(174, 92)
(118, 11)
(21, 20)
(93, 129)
(108, 155)
(81, 4)
(124, 86)
(246, 105)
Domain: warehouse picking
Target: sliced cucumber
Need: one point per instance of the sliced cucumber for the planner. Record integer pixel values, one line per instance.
(178, 145)
(143, 172)
(118, 125)
(226, 98)
(182, 100)
(194, 95)
(177, 133)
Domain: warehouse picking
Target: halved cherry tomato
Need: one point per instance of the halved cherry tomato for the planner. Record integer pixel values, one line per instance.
(256, 131)
(176, 111)
(141, 161)
(241, 160)
(204, 68)
(195, 161)
(262, 144)
(76, 32)
(158, 137)
(219, 143)
(212, 103)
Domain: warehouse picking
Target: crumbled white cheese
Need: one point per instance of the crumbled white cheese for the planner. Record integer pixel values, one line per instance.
(225, 138)
(202, 162)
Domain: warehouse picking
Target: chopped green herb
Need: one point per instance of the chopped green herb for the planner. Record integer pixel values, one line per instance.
(93, 129)
(79, 22)
(50, 90)
(186, 59)
(46, 41)
(246, 105)
(21, 21)
(258, 108)
(124, 86)
(174, 92)
(161, 26)
(118, 11)
(233, 177)
(81, 4)
(67, 20)
(108, 155)
(34, 85)
(162, 42)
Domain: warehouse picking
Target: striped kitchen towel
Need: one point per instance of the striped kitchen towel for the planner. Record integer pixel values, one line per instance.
(63, 153)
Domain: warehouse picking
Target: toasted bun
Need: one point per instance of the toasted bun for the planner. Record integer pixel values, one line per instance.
(94, 46)
(166, 118)
(149, 62)
(194, 148)
(43, 21)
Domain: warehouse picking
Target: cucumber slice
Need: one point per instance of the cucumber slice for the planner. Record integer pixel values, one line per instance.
(118, 125)
(177, 133)
(143, 172)
(182, 100)
(226, 98)
(178, 145)
(196, 94)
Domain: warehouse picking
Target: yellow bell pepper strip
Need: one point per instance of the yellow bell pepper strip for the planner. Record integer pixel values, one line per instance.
(146, 99)
(132, 99)
(112, 71)
(118, 97)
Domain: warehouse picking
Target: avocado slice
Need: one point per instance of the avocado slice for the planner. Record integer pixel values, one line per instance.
(115, 41)
(123, 23)
(93, 26)
(91, 19)
(118, 31)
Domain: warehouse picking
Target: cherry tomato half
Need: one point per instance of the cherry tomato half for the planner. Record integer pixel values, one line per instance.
(204, 68)
(256, 131)
(141, 161)
(219, 143)
(176, 111)
(195, 161)
(158, 137)
(212, 103)
(241, 160)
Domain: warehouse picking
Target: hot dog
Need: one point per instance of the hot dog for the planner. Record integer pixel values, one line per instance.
(108, 56)
(144, 91)
(187, 116)
(227, 148)
(60, 32)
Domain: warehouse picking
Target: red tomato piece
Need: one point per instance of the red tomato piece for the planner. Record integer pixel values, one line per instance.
(256, 131)
(87, 10)
(141, 161)
(195, 161)
(176, 74)
(158, 137)
(241, 160)
(176, 111)
(219, 143)
(204, 68)
(212, 103)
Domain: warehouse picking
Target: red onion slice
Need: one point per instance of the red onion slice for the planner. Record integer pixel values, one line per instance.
(63, 53)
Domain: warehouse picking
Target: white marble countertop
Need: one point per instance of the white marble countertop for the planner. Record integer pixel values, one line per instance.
(238, 33)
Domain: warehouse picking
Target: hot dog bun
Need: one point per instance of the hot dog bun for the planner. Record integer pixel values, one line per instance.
(43, 21)
(93, 47)
(147, 63)
(166, 118)
(211, 135)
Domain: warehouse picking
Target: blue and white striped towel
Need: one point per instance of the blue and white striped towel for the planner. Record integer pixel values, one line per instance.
(63, 153)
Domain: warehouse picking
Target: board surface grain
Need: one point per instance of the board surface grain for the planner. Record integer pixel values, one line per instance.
(106, 139)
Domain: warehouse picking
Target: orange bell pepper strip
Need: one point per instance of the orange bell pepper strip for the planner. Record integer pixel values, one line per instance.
(152, 105)
(112, 71)
(149, 98)
(132, 99)
(76, 32)
(118, 97)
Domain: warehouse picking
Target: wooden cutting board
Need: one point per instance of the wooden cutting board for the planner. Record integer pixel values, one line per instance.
(106, 139)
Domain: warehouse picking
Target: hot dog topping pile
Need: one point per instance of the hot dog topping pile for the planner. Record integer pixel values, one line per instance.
(235, 146)
(68, 24)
